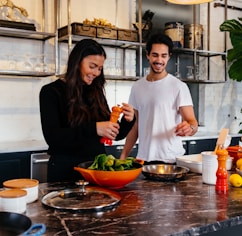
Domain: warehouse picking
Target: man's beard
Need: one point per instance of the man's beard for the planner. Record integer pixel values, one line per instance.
(158, 71)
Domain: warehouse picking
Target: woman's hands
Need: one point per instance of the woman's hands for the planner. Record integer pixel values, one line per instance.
(107, 129)
(128, 112)
(110, 129)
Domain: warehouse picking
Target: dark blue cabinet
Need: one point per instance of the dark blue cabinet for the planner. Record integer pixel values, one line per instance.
(198, 146)
(14, 165)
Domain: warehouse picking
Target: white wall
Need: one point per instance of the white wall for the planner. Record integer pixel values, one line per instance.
(220, 104)
(19, 96)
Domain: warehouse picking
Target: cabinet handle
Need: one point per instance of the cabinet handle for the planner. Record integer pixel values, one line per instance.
(119, 147)
(36, 161)
(193, 142)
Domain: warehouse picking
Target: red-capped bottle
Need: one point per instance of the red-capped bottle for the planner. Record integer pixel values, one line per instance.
(222, 174)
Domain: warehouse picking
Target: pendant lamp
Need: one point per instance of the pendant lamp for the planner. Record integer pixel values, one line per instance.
(189, 2)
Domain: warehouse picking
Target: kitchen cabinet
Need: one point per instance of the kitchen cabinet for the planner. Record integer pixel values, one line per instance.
(116, 150)
(26, 164)
(198, 146)
(35, 63)
(14, 165)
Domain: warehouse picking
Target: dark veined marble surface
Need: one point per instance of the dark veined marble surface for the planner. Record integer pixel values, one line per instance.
(185, 207)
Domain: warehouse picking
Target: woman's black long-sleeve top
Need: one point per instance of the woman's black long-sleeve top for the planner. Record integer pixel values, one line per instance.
(82, 141)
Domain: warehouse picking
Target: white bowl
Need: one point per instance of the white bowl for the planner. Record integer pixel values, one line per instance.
(194, 162)
(238, 171)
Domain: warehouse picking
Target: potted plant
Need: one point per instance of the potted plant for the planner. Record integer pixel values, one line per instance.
(234, 55)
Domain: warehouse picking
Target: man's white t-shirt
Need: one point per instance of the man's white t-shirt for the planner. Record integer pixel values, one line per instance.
(158, 104)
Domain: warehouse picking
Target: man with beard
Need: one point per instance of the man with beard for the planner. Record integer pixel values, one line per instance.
(163, 108)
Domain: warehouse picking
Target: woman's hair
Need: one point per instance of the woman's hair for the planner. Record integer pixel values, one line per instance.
(159, 39)
(85, 102)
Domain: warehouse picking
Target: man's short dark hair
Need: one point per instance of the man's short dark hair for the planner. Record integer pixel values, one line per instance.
(159, 39)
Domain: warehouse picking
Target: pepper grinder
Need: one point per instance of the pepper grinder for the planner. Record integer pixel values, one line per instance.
(222, 174)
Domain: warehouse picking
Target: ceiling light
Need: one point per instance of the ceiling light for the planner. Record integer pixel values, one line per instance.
(189, 2)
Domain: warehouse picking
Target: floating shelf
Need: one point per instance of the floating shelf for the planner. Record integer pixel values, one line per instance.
(25, 73)
(104, 42)
(122, 78)
(203, 53)
(28, 34)
(193, 81)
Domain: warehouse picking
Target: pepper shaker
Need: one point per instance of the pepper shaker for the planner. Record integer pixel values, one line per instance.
(222, 174)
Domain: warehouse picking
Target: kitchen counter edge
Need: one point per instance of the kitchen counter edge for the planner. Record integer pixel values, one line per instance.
(38, 145)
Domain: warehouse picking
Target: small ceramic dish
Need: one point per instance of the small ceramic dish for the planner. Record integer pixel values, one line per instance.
(238, 171)
(194, 162)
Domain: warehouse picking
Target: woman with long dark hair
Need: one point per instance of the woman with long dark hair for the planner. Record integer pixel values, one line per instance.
(75, 113)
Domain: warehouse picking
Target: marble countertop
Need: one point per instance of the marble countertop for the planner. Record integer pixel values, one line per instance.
(185, 207)
(39, 145)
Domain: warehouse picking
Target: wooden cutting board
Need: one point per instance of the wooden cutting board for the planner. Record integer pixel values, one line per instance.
(221, 138)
